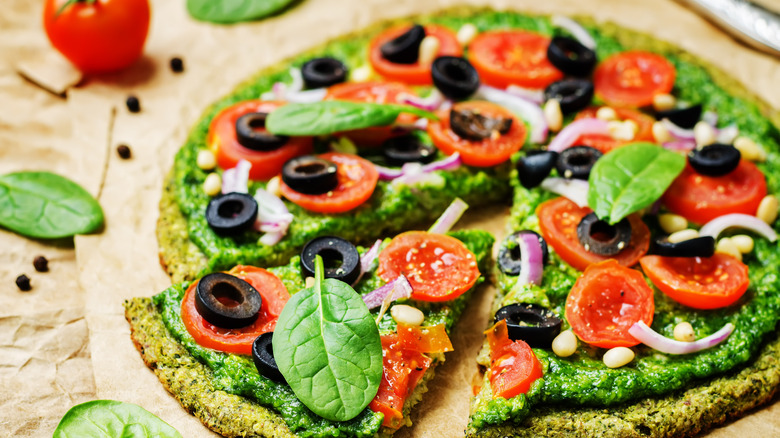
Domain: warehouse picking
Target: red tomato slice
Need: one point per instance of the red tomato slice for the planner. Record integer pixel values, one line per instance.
(265, 164)
(700, 198)
(506, 57)
(238, 340)
(606, 301)
(373, 92)
(413, 74)
(558, 220)
(431, 339)
(483, 153)
(357, 180)
(439, 267)
(403, 369)
(698, 282)
(633, 78)
(606, 143)
(513, 365)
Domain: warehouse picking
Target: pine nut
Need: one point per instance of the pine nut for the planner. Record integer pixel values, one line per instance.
(565, 344)
(672, 223)
(403, 314)
(553, 115)
(664, 102)
(274, 186)
(703, 134)
(767, 209)
(206, 159)
(743, 242)
(618, 356)
(466, 34)
(429, 48)
(360, 74)
(683, 235)
(684, 332)
(622, 130)
(661, 133)
(749, 149)
(727, 246)
(213, 184)
(309, 282)
(606, 113)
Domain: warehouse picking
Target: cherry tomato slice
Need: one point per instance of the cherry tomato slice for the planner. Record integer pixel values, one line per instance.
(606, 301)
(413, 74)
(700, 198)
(238, 340)
(431, 339)
(513, 365)
(633, 78)
(483, 153)
(606, 143)
(265, 164)
(698, 282)
(357, 180)
(558, 220)
(439, 267)
(506, 57)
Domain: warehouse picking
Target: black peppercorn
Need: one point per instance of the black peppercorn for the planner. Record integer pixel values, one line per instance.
(41, 264)
(133, 104)
(177, 65)
(123, 151)
(23, 283)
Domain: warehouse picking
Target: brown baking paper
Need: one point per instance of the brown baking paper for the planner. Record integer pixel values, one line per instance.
(48, 344)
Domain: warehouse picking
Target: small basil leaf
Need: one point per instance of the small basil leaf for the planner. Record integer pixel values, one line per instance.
(111, 419)
(47, 206)
(327, 347)
(331, 116)
(233, 11)
(631, 178)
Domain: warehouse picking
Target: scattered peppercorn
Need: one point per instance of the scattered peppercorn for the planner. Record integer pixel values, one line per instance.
(41, 264)
(177, 65)
(133, 104)
(23, 283)
(123, 151)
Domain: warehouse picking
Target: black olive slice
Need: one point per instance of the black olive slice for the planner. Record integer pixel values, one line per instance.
(310, 175)
(227, 301)
(531, 323)
(599, 237)
(571, 57)
(703, 246)
(251, 134)
(682, 117)
(340, 257)
(263, 357)
(405, 48)
(407, 149)
(573, 94)
(577, 161)
(714, 160)
(323, 72)
(454, 76)
(231, 213)
(472, 125)
(509, 256)
(533, 168)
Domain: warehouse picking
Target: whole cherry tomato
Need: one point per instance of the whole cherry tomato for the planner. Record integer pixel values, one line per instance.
(97, 36)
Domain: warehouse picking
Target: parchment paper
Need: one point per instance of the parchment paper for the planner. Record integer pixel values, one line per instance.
(48, 359)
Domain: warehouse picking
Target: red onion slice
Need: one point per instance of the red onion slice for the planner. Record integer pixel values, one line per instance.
(737, 220)
(367, 258)
(531, 257)
(726, 135)
(710, 117)
(644, 334)
(400, 288)
(273, 217)
(534, 95)
(450, 163)
(450, 216)
(430, 103)
(237, 178)
(575, 29)
(306, 96)
(680, 145)
(525, 109)
(678, 132)
(576, 190)
(574, 130)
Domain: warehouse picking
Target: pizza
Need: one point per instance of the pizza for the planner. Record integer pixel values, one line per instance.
(631, 167)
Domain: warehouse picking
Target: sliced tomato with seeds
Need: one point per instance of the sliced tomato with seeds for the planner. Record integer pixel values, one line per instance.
(633, 78)
(701, 198)
(265, 164)
(513, 365)
(698, 282)
(606, 143)
(558, 220)
(482, 153)
(439, 267)
(357, 180)
(506, 57)
(606, 301)
(416, 73)
(238, 340)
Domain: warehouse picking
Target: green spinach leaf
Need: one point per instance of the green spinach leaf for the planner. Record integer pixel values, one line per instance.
(112, 419)
(331, 116)
(631, 178)
(233, 11)
(47, 206)
(327, 347)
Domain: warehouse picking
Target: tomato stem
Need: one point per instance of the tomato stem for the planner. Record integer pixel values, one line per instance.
(71, 2)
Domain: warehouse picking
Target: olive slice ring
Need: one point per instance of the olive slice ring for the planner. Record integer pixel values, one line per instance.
(251, 135)
(509, 255)
(231, 213)
(601, 238)
(455, 77)
(340, 257)
(310, 175)
(716, 159)
(263, 357)
(408, 148)
(533, 168)
(572, 94)
(534, 324)
(323, 72)
(571, 57)
(227, 301)
(703, 246)
(405, 48)
(474, 126)
(576, 162)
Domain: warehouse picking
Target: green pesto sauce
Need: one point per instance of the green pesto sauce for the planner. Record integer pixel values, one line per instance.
(237, 373)
(582, 379)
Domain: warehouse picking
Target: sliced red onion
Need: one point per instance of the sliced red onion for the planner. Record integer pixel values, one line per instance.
(400, 288)
(273, 217)
(534, 95)
(388, 174)
(574, 130)
(737, 220)
(525, 109)
(710, 117)
(452, 162)
(678, 132)
(237, 178)
(293, 92)
(421, 124)
(680, 145)
(575, 29)
(430, 103)
(726, 135)
(576, 190)
(369, 256)
(271, 239)
(531, 264)
(450, 216)
(306, 96)
(419, 177)
(644, 334)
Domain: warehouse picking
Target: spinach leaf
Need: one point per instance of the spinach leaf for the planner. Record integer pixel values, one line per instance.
(331, 116)
(112, 419)
(233, 11)
(631, 178)
(327, 347)
(46, 206)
